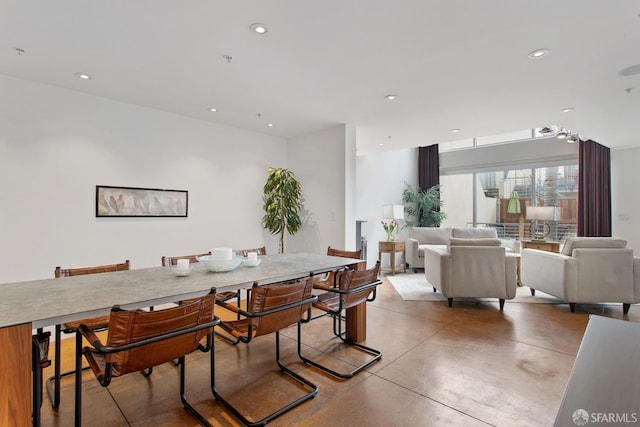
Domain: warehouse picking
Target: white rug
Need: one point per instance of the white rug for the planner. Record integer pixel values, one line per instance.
(414, 287)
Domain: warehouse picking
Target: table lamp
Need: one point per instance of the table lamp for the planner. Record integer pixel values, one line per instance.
(539, 215)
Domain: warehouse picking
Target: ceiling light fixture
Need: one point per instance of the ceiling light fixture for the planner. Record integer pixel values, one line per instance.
(270, 125)
(83, 76)
(259, 28)
(455, 130)
(572, 138)
(546, 131)
(568, 109)
(391, 97)
(538, 53)
(213, 110)
(562, 133)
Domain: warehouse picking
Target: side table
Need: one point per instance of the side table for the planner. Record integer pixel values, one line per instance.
(543, 245)
(393, 247)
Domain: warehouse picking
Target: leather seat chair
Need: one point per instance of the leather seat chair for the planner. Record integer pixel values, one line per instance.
(139, 340)
(271, 308)
(350, 288)
(326, 282)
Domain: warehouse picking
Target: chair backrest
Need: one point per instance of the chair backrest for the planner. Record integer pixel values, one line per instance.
(129, 326)
(243, 252)
(169, 261)
(359, 284)
(348, 254)
(66, 272)
(276, 295)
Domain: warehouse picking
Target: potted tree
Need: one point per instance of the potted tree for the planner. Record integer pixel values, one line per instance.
(282, 203)
(423, 208)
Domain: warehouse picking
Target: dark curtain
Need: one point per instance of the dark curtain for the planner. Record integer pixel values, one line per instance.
(428, 167)
(594, 190)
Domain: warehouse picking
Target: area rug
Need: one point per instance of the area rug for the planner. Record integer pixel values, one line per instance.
(414, 287)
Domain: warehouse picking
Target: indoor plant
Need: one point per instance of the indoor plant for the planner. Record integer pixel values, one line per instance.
(282, 203)
(423, 208)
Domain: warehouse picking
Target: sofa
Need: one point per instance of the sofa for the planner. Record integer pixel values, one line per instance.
(476, 267)
(421, 238)
(587, 270)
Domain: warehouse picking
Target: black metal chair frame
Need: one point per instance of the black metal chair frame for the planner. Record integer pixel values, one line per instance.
(106, 380)
(39, 359)
(283, 368)
(338, 332)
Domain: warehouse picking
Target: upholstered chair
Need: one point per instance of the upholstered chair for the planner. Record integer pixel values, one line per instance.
(587, 270)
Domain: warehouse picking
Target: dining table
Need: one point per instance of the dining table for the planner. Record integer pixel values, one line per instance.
(25, 306)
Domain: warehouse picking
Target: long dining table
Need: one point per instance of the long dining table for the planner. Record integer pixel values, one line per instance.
(25, 306)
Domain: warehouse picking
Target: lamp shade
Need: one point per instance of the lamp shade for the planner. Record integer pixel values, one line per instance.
(514, 204)
(543, 213)
(393, 212)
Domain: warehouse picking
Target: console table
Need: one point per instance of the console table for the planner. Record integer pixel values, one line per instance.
(28, 305)
(543, 245)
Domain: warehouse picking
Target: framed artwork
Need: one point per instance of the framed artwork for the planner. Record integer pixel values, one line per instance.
(142, 202)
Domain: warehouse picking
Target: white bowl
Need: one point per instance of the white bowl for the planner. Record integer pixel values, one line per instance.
(250, 263)
(182, 272)
(219, 266)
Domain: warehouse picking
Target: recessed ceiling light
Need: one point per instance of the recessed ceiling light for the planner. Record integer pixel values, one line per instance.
(83, 76)
(259, 28)
(568, 110)
(270, 125)
(380, 144)
(213, 109)
(455, 130)
(391, 97)
(538, 53)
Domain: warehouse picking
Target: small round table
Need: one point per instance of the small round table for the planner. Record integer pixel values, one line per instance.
(392, 247)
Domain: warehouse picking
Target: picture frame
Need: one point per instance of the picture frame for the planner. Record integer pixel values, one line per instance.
(140, 202)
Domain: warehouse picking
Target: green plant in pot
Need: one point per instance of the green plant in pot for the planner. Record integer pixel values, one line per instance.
(282, 203)
(422, 208)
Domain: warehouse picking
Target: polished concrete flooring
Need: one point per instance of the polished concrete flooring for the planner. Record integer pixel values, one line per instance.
(470, 365)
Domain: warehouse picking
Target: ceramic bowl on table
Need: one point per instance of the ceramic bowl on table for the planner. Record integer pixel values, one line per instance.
(251, 262)
(219, 266)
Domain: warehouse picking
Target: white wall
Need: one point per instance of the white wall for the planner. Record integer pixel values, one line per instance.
(625, 202)
(57, 145)
(380, 180)
(318, 161)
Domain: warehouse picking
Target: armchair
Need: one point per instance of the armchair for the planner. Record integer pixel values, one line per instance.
(588, 270)
(478, 268)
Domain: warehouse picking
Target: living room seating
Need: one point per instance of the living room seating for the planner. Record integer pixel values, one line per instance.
(138, 340)
(421, 238)
(478, 268)
(588, 270)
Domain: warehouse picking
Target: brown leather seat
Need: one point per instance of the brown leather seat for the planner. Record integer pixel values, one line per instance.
(139, 340)
(95, 323)
(169, 261)
(271, 308)
(351, 288)
(325, 282)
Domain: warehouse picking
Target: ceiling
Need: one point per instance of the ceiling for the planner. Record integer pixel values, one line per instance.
(454, 64)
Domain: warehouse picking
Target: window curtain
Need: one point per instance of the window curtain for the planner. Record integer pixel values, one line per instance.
(594, 190)
(428, 167)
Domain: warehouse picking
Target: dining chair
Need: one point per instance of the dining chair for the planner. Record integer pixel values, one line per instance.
(96, 323)
(226, 296)
(171, 261)
(138, 340)
(325, 282)
(351, 288)
(271, 308)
